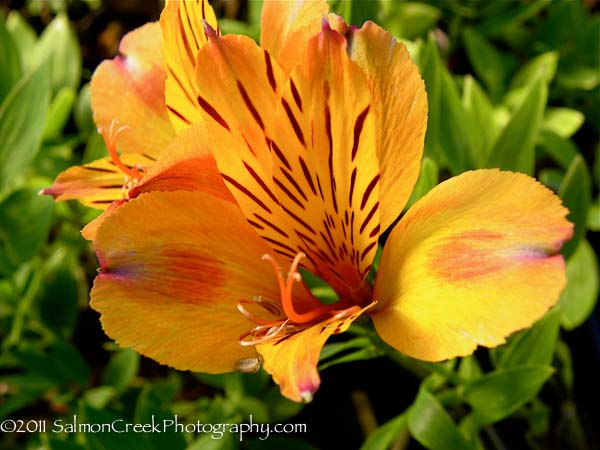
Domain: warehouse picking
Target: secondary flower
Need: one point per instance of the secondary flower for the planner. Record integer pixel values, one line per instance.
(316, 137)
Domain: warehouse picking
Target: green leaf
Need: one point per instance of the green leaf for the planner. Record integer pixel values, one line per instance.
(486, 60)
(24, 225)
(24, 38)
(210, 442)
(551, 178)
(58, 298)
(576, 194)
(561, 150)
(9, 61)
(498, 394)
(58, 113)
(431, 425)
(469, 369)
(579, 77)
(481, 113)
(121, 369)
(22, 116)
(542, 67)
(534, 346)
(408, 19)
(277, 443)
(428, 179)
(58, 45)
(429, 63)
(455, 133)
(83, 111)
(505, 21)
(515, 148)
(387, 434)
(593, 222)
(581, 292)
(563, 121)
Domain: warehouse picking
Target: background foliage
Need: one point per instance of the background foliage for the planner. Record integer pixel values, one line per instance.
(514, 85)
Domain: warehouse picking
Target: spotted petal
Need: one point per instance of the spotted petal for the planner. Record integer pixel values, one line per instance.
(130, 88)
(471, 262)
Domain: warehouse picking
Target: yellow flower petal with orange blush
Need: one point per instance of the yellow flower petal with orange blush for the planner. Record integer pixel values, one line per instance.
(99, 183)
(474, 260)
(129, 89)
(184, 35)
(173, 266)
(286, 27)
(400, 110)
(293, 361)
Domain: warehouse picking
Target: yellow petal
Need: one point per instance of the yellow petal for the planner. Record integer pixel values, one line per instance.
(130, 89)
(293, 360)
(286, 27)
(97, 184)
(183, 31)
(400, 108)
(471, 262)
(173, 266)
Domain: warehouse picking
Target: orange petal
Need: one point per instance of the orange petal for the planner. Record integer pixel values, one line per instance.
(474, 260)
(173, 265)
(183, 31)
(286, 27)
(186, 165)
(400, 109)
(130, 88)
(97, 184)
(293, 360)
(325, 166)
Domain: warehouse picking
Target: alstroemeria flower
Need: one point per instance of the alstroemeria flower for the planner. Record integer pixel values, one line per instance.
(317, 136)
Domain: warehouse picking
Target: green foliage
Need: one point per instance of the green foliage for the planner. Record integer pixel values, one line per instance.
(510, 85)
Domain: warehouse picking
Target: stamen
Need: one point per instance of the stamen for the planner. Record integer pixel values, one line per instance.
(286, 292)
(110, 139)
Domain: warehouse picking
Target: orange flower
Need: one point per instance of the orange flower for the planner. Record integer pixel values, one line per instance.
(317, 137)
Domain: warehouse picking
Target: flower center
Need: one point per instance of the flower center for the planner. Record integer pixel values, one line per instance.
(284, 319)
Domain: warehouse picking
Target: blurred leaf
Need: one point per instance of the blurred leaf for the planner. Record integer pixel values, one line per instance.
(60, 47)
(209, 442)
(9, 61)
(469, 369)
(534, 346)
(72, 366)
(99, 397)
(593, 222)
(455, 133)
(575, 192)
(94, 149)
(24, 38)
(428, 179)
(579, 77)
(597, 165)
(498, 394)
(581, 292)
(82, 112)
(498, 24)
(121, 369)
(485, 60)
(22, 116)
(515, 148)
(335, 348)
(481, 113)
(59, 113)
(429, 64)
(561, 150)
(565, 364)
(431, 425)
(551, 178)
(542, 67)
(280, 408)
(563, 121)
(24, 225)
(278, 443)
(388, 433)
(408, 19)
(58, 298)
